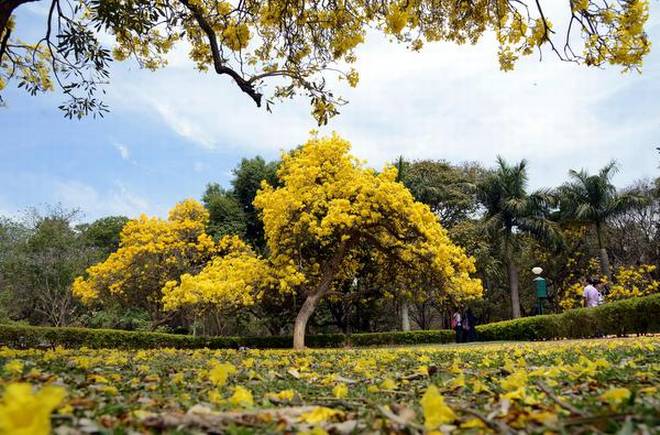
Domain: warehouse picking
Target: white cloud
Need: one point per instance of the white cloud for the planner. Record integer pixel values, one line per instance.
(123, 150)
(117, 200)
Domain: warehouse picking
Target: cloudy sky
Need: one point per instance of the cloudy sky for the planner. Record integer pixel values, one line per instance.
(172, 131)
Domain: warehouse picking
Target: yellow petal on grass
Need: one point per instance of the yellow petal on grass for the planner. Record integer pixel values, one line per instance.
(473, 423)
(242, 397)
(388, 384)
(23, 412)
(319, 414)
(615, 396)
(436, 411)
(284, 395)
(514, 381)
(340, 391)
(220, 372)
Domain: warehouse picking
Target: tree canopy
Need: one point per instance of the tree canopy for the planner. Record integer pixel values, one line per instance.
(273, 50)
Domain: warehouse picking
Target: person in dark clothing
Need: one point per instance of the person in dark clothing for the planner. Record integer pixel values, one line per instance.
(457, 325)
(470, 321)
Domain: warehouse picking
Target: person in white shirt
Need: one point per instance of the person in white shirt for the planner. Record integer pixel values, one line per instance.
(591, 296)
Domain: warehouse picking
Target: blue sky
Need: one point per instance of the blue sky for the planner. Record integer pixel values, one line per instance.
(171, 132)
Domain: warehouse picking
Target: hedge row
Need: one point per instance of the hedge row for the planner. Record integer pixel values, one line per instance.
(19, 336)
(630, 316)
(640, 315)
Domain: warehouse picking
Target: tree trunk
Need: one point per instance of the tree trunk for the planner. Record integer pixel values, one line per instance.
(604, 258)
(308, 307)
(513, 284)
(513, 279)
(300, 326)
(405, 318)
(604, 263)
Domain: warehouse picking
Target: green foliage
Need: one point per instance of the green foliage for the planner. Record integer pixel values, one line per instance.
(41, 257)
(246, 182)
(450, 190)
(226, 214)
(104, 233)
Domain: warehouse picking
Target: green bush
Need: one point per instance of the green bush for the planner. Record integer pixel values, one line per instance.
(639, 315)
(630, 316)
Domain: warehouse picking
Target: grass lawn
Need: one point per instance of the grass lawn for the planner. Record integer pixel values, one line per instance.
(607, 385)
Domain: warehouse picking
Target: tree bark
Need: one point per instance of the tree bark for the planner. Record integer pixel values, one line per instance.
(405, 318)
(308, 307)
(513, 280)
(604, 258)
(513, 284)
(300, 325)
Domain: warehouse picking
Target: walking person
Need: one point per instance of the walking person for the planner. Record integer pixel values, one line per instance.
(457, 325)
(591, 297)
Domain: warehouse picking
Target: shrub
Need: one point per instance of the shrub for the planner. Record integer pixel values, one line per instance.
(635, 315)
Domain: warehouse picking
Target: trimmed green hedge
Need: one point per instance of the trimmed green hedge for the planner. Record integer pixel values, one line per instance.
(630, 316)
(640, 315)
(19, 336)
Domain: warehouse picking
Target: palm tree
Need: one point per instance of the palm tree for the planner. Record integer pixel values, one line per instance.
(512, 212)
(593, 200)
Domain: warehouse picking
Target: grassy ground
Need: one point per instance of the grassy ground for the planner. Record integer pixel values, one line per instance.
(605, 385)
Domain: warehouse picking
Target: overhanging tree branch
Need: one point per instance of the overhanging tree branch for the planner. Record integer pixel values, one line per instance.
(218, 64)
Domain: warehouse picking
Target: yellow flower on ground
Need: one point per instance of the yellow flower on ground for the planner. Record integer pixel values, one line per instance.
(242, 397)
(23, 412)
(388, 384)
(340, 391)
(436, 411)
(514, 381)
(615, 396)
(220, 372)
(14, 367)
(319, 414)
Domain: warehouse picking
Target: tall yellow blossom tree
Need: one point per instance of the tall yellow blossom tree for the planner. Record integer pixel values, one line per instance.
(294, 46)
(328, 211)
(152, 251)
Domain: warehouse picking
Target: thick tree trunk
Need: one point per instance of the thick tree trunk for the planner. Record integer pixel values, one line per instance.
(313, 298)
(405, 318)
(300, 326)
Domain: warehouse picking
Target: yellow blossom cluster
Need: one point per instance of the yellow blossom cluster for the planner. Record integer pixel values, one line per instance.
(152, 251)
(630, 282)
(329, 208)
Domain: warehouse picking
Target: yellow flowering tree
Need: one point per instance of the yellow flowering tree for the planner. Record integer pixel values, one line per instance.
(330, 208)
(152, 251)
(296, 45)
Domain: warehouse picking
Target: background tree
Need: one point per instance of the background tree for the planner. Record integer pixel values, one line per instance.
(255, 43)
(246, 183)
(40, 258)
(152, 251)
(450, 190)
(226, 214)
(593, 200)
(104, 233)
(511, 212)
